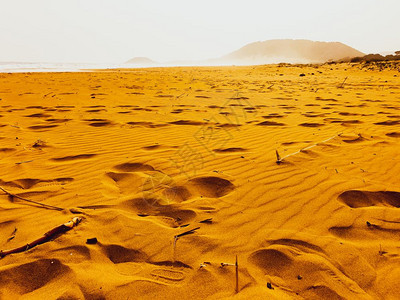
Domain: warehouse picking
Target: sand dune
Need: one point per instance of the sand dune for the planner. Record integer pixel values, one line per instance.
(290, 51)
(173, 171)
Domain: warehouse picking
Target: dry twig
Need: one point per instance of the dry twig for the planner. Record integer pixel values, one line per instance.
(237, 275)
(280, 159)
(48, 236)
(31, 201)
(176, 237)
(342, 84)
(12, 236)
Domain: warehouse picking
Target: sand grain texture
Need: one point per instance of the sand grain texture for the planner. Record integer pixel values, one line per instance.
(144, 155)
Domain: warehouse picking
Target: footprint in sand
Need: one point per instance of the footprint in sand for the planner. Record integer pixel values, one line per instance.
(369, 231)
(101, 124)
(357, 199)
(146, 124)
(393, 134)
(124, 183)
(38, 115)
(388, 123)
(94, 106)
(52, 120)
(133, 178)
(166, 213)
(152, 147)
(27, 183)
(36, 107)
(177, 194)
(348, 114)
(310, 272)
(119, 254)
(273, 116)
(73, 158)
(167, 275)
(311, 124)
(187, 122)
(134, 167)
(366, 232)
(313, 115)
(7, 150)
(271, 123)
(64, 106)
(353, 139)
(157, 195)
(95, 110)
(210, 186)
(42, 127)
(230, 150)
(25, 278)
(98, 122)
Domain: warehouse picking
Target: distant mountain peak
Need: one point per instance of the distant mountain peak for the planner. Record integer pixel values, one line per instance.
(290, 51)
(141, 61)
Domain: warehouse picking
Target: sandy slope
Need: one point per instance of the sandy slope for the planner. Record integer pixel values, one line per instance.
(144, 155)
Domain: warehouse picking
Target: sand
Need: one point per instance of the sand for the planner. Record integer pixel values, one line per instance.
(144, 155)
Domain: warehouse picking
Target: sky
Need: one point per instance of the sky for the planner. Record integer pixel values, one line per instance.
(114, 31)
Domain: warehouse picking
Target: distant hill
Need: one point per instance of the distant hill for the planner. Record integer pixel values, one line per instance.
(270, 52)
(290, 51)
(142, 61)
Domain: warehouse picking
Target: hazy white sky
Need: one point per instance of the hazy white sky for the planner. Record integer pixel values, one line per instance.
(114, 31)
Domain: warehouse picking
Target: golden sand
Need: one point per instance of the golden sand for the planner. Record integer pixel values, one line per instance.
(145, 155)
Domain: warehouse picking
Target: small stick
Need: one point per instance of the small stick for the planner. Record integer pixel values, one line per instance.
(31, 201)
(12, 236)
(177, 97)
(208, 221)
(237, 275)
(191, 231)
(227, 265)
(52, 234)
(174, 248)
(341, 86)
(176, 237)
(236, 265)
(278, 158)
(306, 148)
(381, 251)
(23, 162)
